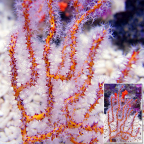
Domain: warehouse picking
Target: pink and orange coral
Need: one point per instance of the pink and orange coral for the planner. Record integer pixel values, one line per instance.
(65, 78)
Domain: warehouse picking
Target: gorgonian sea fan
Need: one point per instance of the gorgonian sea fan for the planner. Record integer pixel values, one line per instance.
(71, 93)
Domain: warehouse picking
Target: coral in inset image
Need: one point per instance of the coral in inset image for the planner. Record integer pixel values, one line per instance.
(122, 123)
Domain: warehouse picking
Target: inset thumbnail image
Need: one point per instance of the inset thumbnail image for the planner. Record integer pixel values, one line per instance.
(123, 111)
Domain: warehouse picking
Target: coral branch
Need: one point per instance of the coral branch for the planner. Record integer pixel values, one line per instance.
(132, 60)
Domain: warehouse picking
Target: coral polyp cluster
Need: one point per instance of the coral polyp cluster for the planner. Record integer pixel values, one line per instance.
(66, 80)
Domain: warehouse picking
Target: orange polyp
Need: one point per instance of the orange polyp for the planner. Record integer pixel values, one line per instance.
(124, 93)
(62, 6)
(115, 95)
